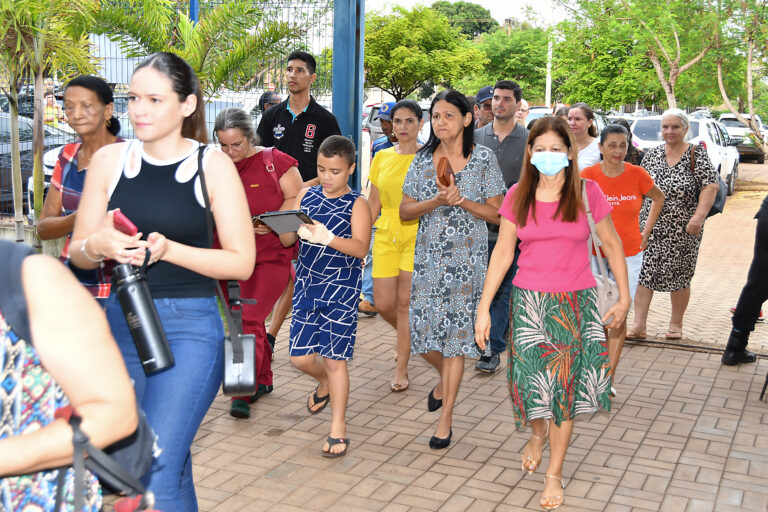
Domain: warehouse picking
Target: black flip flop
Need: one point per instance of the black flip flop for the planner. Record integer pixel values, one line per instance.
(333, 441)
(317, 400)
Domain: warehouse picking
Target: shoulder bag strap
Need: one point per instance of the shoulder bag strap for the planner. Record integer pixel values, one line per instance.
(595, 240)
(99, 463)
(269, 163)
(233, 315)
(693, 163)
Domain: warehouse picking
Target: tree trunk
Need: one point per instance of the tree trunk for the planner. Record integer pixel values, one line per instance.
(669, 89)
(16, 184)
(38, 145)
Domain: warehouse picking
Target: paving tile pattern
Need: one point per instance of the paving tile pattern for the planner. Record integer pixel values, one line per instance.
(724, 258)
(685, 433)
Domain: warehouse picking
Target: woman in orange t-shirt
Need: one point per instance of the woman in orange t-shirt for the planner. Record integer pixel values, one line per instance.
(624, 185)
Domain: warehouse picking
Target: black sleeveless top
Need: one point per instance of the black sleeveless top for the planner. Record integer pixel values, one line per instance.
(165, 197)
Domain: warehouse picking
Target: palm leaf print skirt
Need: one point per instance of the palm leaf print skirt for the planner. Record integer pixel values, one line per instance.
(558, 356)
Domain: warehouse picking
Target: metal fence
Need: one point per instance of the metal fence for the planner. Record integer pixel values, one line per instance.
(315, 18)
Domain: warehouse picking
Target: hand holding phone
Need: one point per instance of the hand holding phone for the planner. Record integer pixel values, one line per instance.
(123, 224)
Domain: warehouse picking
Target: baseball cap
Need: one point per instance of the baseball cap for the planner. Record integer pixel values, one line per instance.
(484, 94)
(385, 111)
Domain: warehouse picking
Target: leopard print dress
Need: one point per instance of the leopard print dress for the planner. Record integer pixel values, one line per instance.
(670, 259)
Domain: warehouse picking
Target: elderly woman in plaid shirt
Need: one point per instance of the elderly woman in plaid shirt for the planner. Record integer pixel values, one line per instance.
(89, 105)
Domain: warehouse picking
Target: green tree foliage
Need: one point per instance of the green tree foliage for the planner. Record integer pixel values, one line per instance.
(38, 36)
(672, 36)
(520, 55)
(406, 49)
(229, 45)
(600, 64)
(472, 19)
(742, 25)
(324, 81)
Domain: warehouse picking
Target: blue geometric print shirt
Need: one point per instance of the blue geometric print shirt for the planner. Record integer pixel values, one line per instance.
(326, 277)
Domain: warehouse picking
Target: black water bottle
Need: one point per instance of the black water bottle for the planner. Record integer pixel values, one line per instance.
(142, 318)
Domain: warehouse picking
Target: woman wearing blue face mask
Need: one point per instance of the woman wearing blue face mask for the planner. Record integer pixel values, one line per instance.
(558, 352)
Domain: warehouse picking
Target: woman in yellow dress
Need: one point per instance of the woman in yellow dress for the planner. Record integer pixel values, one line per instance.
(395, 240)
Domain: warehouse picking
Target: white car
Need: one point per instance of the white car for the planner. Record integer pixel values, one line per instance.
(721, 148)
(737, 129)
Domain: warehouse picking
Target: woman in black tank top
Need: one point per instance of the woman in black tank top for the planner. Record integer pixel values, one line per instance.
(153, 181)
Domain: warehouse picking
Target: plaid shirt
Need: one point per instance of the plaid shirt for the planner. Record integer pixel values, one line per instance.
(69, 182)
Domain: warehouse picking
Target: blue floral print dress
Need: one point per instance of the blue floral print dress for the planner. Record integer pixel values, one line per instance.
(451, 256)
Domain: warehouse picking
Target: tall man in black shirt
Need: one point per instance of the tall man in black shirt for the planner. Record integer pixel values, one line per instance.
(299, 125)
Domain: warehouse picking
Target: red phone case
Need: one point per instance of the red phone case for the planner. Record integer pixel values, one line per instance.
(124, 225)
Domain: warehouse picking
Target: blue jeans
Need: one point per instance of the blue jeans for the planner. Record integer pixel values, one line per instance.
(176, 400)
(368, 271)
(501, 304)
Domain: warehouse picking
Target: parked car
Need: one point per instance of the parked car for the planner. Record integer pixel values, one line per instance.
(53, 138)
(721, 148)
(535, 113)
(737, 129)
(372, 123)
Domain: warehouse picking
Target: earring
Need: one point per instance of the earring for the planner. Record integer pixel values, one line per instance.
(109, 122)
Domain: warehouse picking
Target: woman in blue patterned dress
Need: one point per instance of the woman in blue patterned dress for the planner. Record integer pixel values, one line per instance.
(451, 247)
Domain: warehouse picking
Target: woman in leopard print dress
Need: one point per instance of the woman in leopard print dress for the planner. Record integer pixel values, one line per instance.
(673, 247)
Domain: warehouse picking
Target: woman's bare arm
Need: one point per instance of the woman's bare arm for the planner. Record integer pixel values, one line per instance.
(657, 203)
(501, 259)
(487, 211)
(52, 224)
(73, 340)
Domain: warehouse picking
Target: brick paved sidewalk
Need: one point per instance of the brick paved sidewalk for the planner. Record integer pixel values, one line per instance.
(684, 434)
(724, 258)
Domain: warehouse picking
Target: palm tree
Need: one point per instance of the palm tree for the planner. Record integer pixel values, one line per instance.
(228, 46)
(37, 35)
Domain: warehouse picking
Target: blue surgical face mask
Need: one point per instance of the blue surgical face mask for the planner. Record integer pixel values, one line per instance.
(549, 162)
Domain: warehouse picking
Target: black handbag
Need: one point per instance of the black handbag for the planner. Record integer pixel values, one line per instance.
(239, 348)
(719, 205)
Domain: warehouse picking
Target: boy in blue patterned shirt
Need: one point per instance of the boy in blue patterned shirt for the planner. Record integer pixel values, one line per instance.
(328, 281)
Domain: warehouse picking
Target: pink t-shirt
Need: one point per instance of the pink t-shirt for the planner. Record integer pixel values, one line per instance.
(553, 253)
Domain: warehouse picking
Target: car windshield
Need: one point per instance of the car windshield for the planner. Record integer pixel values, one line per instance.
(733, 123)
(650, 129)
(25, 130)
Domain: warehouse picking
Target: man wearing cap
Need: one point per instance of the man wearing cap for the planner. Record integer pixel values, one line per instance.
(483, 109)
(506, 138)
(389, 138)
